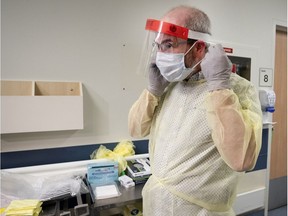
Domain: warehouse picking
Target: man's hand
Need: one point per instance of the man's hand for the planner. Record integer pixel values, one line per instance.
(157, 83)
(216, 68)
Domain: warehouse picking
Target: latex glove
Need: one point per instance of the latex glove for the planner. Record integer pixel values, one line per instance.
(216, 68)
(157, 83)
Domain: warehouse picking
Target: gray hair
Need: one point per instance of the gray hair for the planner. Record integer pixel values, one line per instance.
(195, 19)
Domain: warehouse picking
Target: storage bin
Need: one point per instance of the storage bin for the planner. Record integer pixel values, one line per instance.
(31, 106)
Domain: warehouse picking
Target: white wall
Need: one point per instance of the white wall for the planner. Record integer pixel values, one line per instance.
(98, 42)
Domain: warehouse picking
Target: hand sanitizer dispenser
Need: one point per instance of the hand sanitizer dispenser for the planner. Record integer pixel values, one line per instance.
(267, 100)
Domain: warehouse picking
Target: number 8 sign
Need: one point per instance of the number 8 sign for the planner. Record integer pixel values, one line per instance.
(265, 77)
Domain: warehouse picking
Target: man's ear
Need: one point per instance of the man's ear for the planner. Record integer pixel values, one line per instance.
(200, 49)
(200, 45)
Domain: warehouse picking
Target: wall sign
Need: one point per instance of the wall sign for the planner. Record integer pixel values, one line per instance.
(266, 77)
(228, 49)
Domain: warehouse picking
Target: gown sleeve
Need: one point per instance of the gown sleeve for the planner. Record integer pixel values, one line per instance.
(236, 124)
(141, 114)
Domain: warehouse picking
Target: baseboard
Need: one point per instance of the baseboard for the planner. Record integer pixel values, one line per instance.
(249, 201)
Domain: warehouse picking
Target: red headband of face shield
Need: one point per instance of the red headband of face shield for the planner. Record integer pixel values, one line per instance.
(165, 37)
(174, 30)
(167, 28)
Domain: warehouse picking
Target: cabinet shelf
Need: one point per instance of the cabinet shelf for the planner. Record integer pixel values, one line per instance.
(31, 106)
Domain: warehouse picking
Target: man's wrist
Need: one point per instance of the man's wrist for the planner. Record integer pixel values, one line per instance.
(155, 92)
(214, 85)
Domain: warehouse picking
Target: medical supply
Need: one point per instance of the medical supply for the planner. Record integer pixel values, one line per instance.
(122, 149)
(139, 170)
(24, 207)
(102, 173)
(172, 65)
(139, 167)
(173, 151)
(166, 37)
(216, 68)
(126, 181)
(267, 100)
(62, 185)
(157, 83)
(105, 191)
(40, 187)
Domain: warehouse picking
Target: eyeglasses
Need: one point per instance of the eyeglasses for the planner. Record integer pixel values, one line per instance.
(167, 45)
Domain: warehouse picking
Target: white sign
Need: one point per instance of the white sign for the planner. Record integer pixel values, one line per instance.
(265, 77)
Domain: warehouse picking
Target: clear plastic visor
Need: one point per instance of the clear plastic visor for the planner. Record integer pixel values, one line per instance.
(162, 37)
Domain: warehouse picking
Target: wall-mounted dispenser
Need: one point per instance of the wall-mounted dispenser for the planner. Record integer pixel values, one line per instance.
(267, 100)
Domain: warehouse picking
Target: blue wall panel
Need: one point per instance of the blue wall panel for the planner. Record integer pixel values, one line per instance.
(59, 155)
(76, 153)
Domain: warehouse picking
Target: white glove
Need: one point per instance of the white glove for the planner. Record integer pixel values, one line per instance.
(216, 68)
(157, 83)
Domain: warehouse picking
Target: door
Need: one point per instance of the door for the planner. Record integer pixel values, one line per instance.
(278, 163)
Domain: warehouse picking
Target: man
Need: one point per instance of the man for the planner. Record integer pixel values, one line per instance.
(204, 122)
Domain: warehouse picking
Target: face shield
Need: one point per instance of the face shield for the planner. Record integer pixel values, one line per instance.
(167, 38)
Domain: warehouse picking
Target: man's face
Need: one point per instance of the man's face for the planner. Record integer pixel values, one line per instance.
(170, 44)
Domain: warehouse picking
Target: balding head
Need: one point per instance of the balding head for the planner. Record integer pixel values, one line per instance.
(189, 17)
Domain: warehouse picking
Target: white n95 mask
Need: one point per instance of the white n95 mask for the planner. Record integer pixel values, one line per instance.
(172, 65)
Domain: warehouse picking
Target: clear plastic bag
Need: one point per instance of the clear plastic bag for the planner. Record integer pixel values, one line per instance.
(24, 186)
(62, 185)
(20, 186)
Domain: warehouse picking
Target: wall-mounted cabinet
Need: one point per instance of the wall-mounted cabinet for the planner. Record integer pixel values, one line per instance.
(31, 106)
